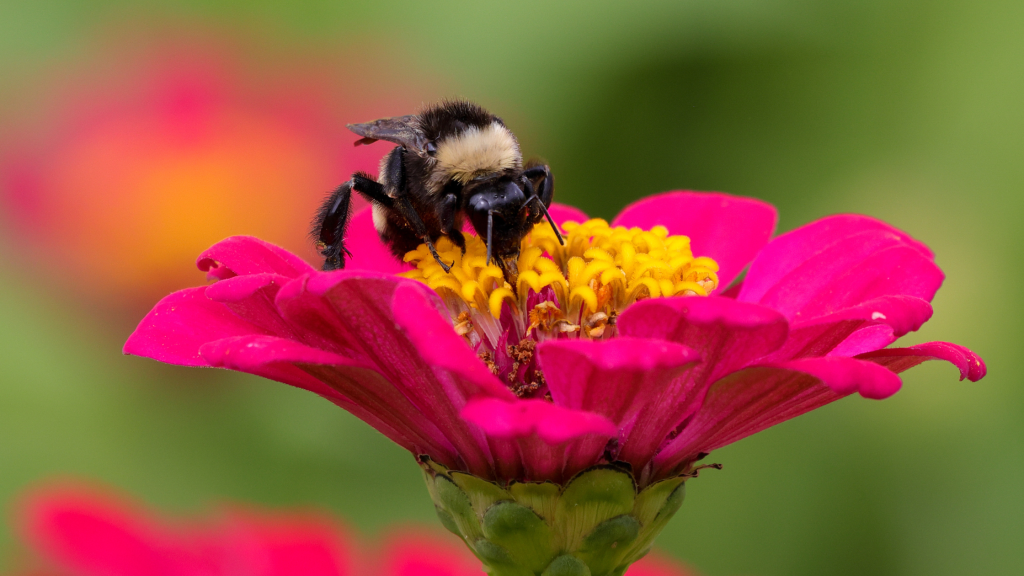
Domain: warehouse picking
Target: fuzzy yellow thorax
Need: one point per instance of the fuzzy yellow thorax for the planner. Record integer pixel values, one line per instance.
(597, 273)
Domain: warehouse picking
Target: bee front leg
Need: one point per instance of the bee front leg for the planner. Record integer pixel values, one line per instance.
(546, 190)
(446, 214)
(533, 197)
(405, 207)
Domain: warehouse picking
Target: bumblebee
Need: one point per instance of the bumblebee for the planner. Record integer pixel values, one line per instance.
(454, 161)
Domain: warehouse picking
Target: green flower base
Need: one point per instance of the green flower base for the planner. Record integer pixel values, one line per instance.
(597, 524)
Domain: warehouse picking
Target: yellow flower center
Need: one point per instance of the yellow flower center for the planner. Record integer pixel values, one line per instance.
(597, 273)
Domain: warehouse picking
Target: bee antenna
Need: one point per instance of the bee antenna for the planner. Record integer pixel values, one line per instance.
(544, 209)
(490, 228)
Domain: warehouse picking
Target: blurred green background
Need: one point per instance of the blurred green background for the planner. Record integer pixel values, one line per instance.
(910, 111)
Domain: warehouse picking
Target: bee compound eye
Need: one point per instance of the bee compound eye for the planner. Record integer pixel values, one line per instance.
(431, 148)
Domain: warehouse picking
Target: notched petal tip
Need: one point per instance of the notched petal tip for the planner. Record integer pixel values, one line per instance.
(243, 255)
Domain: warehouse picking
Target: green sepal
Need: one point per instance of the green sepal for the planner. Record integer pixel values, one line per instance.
(455, 502)
(522, 532)
(604, 548)
(591, 497)
(669, 506)
(541, 497)
(481, 492)
(597, 524)
(447, 521)
(497, 561)
(566, 565)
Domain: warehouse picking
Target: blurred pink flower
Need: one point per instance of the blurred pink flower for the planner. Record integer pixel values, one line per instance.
(77, 531)
(139, 161)
(675, 379)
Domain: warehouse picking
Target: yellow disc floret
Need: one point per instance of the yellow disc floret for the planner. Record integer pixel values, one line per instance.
(597, 273)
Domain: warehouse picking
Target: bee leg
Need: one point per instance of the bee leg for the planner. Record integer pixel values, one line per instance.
(533, 197)
(397, 207)
(329, 227)
(446, 214)
(490, 229)
(547, 186)
(405, 208)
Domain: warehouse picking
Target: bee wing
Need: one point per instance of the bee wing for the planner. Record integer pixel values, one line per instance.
(402, 130)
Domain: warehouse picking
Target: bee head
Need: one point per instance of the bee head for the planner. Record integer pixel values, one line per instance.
(498, 212)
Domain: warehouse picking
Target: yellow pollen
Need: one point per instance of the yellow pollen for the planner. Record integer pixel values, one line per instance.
(597, 273)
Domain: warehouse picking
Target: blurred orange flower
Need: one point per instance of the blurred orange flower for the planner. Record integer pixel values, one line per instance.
(129, 169)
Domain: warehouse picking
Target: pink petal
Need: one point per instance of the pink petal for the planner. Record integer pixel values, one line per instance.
(353, 310)
(620, 379)
(759, 397)
(655, 564)
(456, 367)
(241, 255)
(562, 213)
(864, 340)
(91, 534)
(730, 229)
(251, 543)
(838, 262)
(253, 351)
(539, 435)
(352, 385)
(418, 311)
(728, 334)
(251, 298)
(614, 378)
(419, 552)
(368, 252)
(179, 324)
(521, 418)
(903, 314)
(846, 376)
(971, 365)
(812, 292)
(853, 330)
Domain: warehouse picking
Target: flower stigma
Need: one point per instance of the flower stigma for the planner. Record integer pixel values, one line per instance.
(571, 291)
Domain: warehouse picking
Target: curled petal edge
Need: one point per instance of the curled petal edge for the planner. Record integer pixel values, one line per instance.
(970, 365)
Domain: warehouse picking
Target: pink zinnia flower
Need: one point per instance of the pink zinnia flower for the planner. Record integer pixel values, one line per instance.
(620, 348)
(79, 531)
